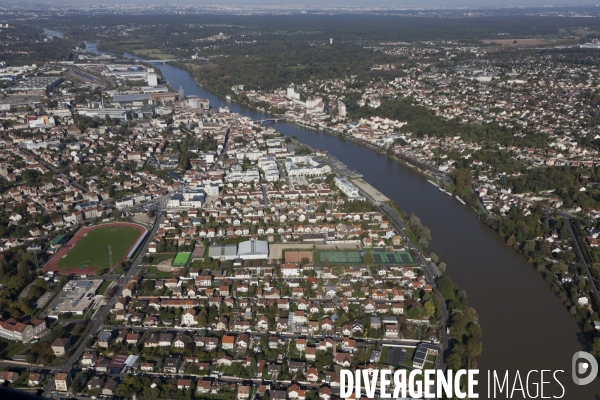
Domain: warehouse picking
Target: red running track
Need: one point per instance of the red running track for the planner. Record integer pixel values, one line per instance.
(52, 265)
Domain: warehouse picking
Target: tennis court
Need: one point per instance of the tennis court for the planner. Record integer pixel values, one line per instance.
(181, 259)
(392, 257)
(293, 256)
(340, 257)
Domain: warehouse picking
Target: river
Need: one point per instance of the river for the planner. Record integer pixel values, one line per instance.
(525, 326)
(53, 34)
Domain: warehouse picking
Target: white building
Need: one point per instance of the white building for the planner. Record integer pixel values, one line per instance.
(152, 79)
(238, 175)
(250, 155)
(348, 189)
(253, 250)
(341, 109)
(292, 94)
(187, 198)
(306, 165)
(210, 157)
(198, 102)
(211, 189)
(314, 102)
(269, 166)
(124, 203)
(276, 145)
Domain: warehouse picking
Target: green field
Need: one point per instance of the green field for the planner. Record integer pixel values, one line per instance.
(181, 259)
(92, 249)
(153, 53)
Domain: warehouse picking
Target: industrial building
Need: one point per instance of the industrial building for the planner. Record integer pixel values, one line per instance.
(80, 296)
(253, 250)
(36, 85)
(132, 99)
(223, 252)
(248, 250)
(112, 113)
(152, 79)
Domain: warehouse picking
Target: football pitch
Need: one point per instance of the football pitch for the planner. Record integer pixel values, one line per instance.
(92, 249)
(181, 259)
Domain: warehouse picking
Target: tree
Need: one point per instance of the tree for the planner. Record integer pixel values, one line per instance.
(474, 347)
(414, 221)
(596, 348)
(434, 257)
(462, 177)
(368, 259)
(511, 241)
(454, 362)
(429, 308)
(442, 267)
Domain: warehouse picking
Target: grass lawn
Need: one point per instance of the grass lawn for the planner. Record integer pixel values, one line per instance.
(384, 354)
(159, 274)
(181, 259)
(103, 287)
(92, 249)
(153, 53)
(66, 316)
(10, 348)
(158, 258)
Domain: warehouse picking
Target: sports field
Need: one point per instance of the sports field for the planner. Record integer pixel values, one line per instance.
(181, 259)
(392, 257)
(340, 257)
(92, 249)
(354, 257)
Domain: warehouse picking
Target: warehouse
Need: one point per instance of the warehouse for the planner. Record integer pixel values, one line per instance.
(253, 250)
(112, 113)
(223, 252)
(36, 85)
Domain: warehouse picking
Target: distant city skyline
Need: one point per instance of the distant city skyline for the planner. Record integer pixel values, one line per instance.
(335, 3)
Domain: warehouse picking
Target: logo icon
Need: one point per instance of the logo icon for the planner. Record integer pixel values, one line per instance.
(583, 363)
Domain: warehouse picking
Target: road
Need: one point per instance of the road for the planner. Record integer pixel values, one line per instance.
(286, 335)
(430, 274)
(581, 255)
(97, 322)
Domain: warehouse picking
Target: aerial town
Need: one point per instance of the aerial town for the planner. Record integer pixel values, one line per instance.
(546, 96)
(182, 219)
(252, 267)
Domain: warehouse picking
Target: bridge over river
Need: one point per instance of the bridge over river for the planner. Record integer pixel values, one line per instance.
(262, 121)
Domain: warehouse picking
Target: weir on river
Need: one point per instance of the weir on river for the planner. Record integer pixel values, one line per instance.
(525, 326)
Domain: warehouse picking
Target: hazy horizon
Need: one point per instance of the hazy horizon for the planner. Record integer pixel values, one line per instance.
(331, 3)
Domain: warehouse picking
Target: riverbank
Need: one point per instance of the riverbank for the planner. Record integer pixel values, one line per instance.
(330, 132)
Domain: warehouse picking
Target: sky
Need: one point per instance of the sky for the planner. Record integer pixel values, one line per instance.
(354, 3)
